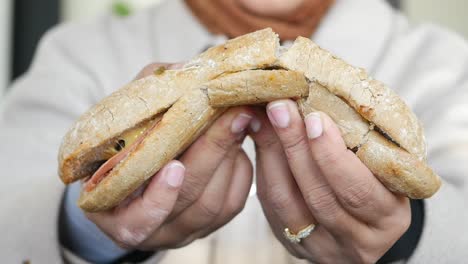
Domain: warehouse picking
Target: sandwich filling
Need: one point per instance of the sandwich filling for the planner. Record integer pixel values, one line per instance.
(115, 153)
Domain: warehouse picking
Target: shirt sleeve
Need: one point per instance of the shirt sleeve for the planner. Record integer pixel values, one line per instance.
(405, 246)
(82, 236)
(34, 116)
(40, 106)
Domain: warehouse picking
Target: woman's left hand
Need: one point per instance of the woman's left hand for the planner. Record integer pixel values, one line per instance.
(306, 175)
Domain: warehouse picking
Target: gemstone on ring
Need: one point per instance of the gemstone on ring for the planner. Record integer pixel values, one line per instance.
(296, 238)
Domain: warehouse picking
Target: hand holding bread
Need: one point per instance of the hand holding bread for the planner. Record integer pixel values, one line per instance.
(162, 114)
(188, 198)
(306, 175)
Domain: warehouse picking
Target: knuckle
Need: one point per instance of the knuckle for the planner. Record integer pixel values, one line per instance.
(278, 199)
(322, 199)
(164, 238)
(295, 145)
(232, 154)
(330, 159)
(366, 257)
(269, 144)
(358, 194)
(405, 224)
(191, 189)
(185, 199)
(155, 209)
(235, 207)
(210, 208)
(186, 240)
(157, 215)
(162, 244)
(221, 144)
(399, 220)
(127, 238)
(404, 218)
(366, 249)
(218, 144)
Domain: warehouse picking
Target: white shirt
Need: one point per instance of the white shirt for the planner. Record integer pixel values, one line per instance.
(76, 65)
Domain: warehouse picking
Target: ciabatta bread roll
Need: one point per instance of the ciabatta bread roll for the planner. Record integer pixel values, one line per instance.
(126, 138)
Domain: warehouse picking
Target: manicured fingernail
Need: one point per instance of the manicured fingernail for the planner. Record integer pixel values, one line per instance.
(279, 114)
(240, 123)
(314, 125)
(255, 125)
(174, 174)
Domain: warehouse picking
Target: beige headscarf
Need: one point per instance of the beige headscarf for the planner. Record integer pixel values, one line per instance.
(229, 18)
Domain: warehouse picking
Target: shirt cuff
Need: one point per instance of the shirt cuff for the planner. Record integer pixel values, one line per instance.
(406, 245)
(83, 237)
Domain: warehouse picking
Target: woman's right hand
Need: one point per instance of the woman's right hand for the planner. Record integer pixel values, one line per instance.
(189, 198)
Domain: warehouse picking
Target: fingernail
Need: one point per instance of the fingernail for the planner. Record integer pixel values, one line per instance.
(174, 174)
(240, 123)
(255, 125)
(314, 125)
(279, 114)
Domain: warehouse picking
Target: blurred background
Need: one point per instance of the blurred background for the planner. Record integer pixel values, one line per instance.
(22, 23)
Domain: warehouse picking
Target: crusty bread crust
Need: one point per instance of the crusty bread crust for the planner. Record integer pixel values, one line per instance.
(397, 169)
(352, 126)
(255, 86)
(190, 99)
(163, 144)
(143, 99)
(123, 109)
(370, 98)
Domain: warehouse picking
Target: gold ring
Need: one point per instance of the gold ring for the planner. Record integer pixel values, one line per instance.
(303, 233)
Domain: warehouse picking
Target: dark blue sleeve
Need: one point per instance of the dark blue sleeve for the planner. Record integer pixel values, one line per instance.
(81, 236)
(405, 246)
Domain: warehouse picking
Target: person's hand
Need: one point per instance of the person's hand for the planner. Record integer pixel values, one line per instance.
(306, 175)
(189, 198)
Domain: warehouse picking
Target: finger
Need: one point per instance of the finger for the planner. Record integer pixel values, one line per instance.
(318, 195)
(203, 212)
(237, 194)
(359, 192)
(154, 68)
(130, 225)
(318, 243)
(283, 206)
(205, 155)
(277, 228)
(283, 211)
(278, 190)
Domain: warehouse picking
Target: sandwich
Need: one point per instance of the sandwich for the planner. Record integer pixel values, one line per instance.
(122, 141)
